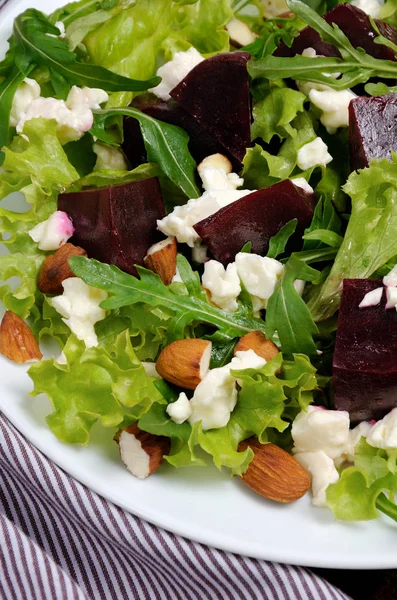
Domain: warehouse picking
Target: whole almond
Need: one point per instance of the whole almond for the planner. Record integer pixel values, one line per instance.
(55, 269)
(185, 362)
(273, 473)
(17, 341)
(161, 259)
(257, 341)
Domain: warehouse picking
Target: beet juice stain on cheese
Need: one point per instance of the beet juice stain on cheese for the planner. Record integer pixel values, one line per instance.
(211, 237)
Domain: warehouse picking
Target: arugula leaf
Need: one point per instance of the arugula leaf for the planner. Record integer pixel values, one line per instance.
(166, 145)
(273, 33)
(369, 240)
(34, 45)
(279, 241)
(325, 236)
(126, 290)
(288, 314)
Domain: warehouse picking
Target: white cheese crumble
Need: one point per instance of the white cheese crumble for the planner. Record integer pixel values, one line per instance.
(334, 106)
(259, 275)
(54, 232)
(28, 91)
(199, 253)
(370, 7)
(302, 183)
(323, 472)
(391, 297)
(312, 154)
(384, 433)
(180, 410)
(355, 435)
(62, 29)
(109, 157)
(74, 117)
(222, 284)
(372, 298)
(320, 429)
(79, 305)
(175, 70)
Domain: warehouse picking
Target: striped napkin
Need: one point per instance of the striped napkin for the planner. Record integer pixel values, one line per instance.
(60, 541)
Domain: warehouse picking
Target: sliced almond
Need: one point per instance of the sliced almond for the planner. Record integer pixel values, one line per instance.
(215, 161)
(185, 362)
(161, 258)
(273, 473)
(142, 452)
(17, 341)
(240, 34)
(257, 341)
(55, 269)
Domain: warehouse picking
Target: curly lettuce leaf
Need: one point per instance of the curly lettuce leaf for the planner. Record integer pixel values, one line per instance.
(107, 384)
(370, 239)
(273, 115)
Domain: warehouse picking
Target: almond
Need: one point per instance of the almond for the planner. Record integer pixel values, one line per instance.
(161, 258)
(185, 362)
(17, 341)
(142, 452)
(240, 34)
(273, 473)
(257, 341)
(215, 161)
(55, 269)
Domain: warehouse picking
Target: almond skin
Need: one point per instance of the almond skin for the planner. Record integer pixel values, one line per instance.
(161, 258)
(55, 269)
(185, 362)
(17, 341)
(273, 473)
(257, 341)
(142, 452)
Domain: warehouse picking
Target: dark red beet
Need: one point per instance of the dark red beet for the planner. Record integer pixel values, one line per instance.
(372, 129)
(117, 224)
(365, 358)
(355, 24)
(216, 93)
(201, 143)
(256, 218)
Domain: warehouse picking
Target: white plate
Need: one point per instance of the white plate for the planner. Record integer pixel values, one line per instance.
(200, 504)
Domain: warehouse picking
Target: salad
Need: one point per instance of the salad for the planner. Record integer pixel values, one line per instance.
(210, 236)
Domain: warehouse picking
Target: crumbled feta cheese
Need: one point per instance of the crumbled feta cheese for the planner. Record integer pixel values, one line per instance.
(28, 91)
(54, 232)
(214, 399)
(370, 7)
(174, 71)
(355, 435)
(391, 297)
(312, 154)
(323, 472)
(109, 157)
(180, 410)
(372, 298)
(390, 280)
(259, 275)
(306, 86)
(240, 33)
(150, 369)
(302, 183)
(181, 220)
(310, 53)
(319, 429)
(334, 106)
(384, 433)
(223, 284)
(74, 117)
(299, 285)
(199, 253)
(246, 359)
(79, 305)
(62, 29)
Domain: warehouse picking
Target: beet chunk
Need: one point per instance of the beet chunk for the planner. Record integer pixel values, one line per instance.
(117, 224)
(355, 24)
(216, 93)
(372, 129)
(365, 358)
(201, 143)
(256, 218)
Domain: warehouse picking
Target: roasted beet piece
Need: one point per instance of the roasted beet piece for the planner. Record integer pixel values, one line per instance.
(256, 218)
(201, 143)
(216, 93)
(372, 129)
(117, 224)
(365, 358)
(355, 24)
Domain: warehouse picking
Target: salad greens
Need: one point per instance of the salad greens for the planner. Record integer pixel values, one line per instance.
(117, 46)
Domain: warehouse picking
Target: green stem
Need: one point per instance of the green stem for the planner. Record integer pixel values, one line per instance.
(386, 506)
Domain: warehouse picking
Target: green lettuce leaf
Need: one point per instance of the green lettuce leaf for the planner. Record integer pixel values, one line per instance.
(370, 239)
(106, 384)
(273, 115)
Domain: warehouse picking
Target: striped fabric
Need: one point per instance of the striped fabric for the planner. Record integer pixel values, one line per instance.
(60, 541)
